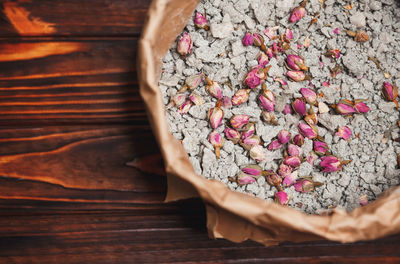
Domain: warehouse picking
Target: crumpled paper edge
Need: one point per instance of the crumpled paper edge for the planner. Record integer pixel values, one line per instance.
(231, 215)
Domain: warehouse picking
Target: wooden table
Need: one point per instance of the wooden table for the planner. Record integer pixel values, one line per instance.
(78, 162)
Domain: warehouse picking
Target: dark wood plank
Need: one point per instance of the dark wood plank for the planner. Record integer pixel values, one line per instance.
(72, 17)
(69, 82)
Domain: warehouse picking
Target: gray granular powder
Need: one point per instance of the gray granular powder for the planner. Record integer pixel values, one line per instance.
(221, 56)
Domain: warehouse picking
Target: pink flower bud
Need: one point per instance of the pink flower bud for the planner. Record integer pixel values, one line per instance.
(262, 59)
(320, 147)
(390, 92)
(217, 141)
(239, 121)
(296, 76)
(333, 53)
(179, 99)
(253, 170)
(287, 110)
(284, 170)
(185, 107)
(200, 21)
(292, 161)
(243, 179)
(192, 82)
(344, 132)
(299, 106)
(297, 14)
(196, 99)
(290, 179)
(214, 89)
(249, 130)
(270, 53)
(272, 178)
(240, 97)
(293, 150)
(232, 135)
(254, 77)
(226, 102)
(363, 200)
(296, 63)
(344, 108)
(309, 95)
(248, 39)
(361, 107)
(258, 40)
(250, 142)
(215, 115)
(330, 164)
(311, 158)
(307, 131)
(270, 32)
(298, 140)
(304, 185)
(281, 198)
(284, 136)
(267, 100)
(289, 34)
(185, 45)
(311, 118)
(274, 145)
(257, 153)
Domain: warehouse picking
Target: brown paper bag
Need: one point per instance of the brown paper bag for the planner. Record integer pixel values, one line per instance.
(231, 215)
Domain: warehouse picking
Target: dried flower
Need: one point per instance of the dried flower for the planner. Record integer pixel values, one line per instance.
(262, 59)
(270, 32)
(215, 115)
(311, 158)
(249, 142)
(272, 178)
(185, 107)
(269, 117)
(240, 97)
(361, 107)
(292, 161)
(363, 200)
(290, 179)
(308, 131)
(298, 140)
(249, 130)
(254, 77)
(305, 185)
(361, 36)
(293, 150)
(248, 39)
(333, 53)
(259, 41)
(297, 76)
(239, 121)
(332, 163)
(299, 106)
(336, 31)
(274, 145)
(217, 140)
(284, 136)
(284, 170)
(297, 14)
(289, 34)
(213, 88)
(178, 99)
(192, 82)
(243, 179)
(281, 198)
(309, 95)
(344, 108)
(226, 102)
(344, 132)
(253, 170)
(200, 21)
(267, 100)
(232, 135)
(196, 98)
(390, 92)
(287, 110)
(320, 147)
(311, 118)
(257, 153)
(185, 45)
(296, 63)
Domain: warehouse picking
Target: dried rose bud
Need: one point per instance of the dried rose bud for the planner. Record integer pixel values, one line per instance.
(298, 140)
(299, 106)
(297, 14)
(290, 179)
(281, 198)
(344, 108)
(307, 131)
(192, 82)
(178, 99)
(239, 121)
(363, 200)
(292, 161)
(284, 136)
(359, 36)
(215, 115)
(269, 117)
(332, 163)
(305, 185)
(344, 132)
(257, 153)
(250, 142)
(217, 140)
(248, 39)
(248, 130)
(333, 53)
(296, 63)
(185, 45)
(243, 179)
(311, 158)
(200, 21)
(259, 41)
(185, 107)
(262, 59)
(213, 88)
(320, 147)
(289, 34)
(293, 150)
(254, 77)
(267, 100)
(287, 110)
(270, 32)
(253, 170)
(361, 107)
(309, 95)
(270, 53)
(274, 145)
(390, 92)
(311, 118)
(297, 76)
(284, 170)
(240, 97)
(226, 102)
(232, 135)
(272, 178)
(196, 98)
